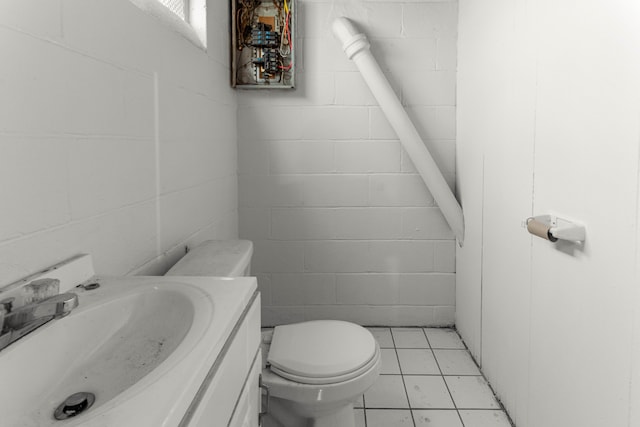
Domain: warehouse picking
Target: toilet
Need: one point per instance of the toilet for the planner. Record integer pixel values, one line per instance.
(314, 370)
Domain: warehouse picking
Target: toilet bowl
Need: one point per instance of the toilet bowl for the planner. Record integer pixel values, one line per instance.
(314, 370)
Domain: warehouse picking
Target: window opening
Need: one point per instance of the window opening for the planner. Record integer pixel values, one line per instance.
(179, 7)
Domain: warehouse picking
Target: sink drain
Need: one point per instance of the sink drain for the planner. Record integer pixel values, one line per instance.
(73, 405)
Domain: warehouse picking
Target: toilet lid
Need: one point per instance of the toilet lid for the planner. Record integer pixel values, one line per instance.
(321, 351)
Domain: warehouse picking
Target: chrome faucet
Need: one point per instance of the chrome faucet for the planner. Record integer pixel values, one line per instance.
(22, 320)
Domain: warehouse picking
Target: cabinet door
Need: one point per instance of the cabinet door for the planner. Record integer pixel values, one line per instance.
(248, 407)
(220, 401)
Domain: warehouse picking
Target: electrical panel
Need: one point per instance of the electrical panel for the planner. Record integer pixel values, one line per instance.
(262, 38)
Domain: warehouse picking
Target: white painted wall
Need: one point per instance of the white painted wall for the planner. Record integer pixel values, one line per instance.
(343, 226)
(117, 136)
(634, 398)
(548, 122)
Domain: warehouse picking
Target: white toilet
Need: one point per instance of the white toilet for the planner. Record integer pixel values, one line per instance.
(314, 370)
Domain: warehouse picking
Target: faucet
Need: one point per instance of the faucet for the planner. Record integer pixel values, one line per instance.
(22, 320)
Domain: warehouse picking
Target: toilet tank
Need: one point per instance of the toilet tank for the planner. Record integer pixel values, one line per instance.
(221, 258)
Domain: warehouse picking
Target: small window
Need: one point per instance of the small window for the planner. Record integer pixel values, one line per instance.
(179, 7)
(188, 17)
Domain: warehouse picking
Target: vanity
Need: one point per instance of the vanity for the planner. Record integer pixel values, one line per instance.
(226, 400)
(147, 351)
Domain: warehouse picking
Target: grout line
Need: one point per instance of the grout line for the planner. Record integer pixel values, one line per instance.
(442, 376)
(421, 409)
(404, 385)
(432, 348)
(364, 410)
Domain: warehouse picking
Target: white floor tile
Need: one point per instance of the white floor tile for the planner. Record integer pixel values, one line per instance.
(456, 362)
(436, 418)
(421, 396)
(418, 362)
(389, 361)
(409, 338)
(444, 338)
(383, 335)
(426, 392)
(359, 416)
(389, 418)
(387, 392)
(471, 393)
(480, 418)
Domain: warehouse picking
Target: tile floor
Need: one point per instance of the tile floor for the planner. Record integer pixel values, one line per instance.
(428, 379)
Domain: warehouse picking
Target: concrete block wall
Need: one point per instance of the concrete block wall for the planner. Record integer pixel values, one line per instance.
(343, 226)
(117, 137)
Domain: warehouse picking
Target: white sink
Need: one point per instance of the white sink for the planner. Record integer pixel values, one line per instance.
(141, 345)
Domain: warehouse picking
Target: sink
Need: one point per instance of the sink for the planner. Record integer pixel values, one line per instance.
(131, 342)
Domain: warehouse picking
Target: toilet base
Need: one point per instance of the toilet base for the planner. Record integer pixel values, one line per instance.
(288, 415)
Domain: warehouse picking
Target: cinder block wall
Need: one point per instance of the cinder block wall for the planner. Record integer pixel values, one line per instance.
(343, 226)
(117, 137)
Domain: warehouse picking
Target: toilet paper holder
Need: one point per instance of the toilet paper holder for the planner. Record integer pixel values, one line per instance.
(556, 228)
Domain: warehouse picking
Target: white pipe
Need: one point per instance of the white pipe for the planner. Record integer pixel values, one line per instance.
(356, 46)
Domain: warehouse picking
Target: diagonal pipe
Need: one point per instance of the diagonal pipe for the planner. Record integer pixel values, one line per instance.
(356, 46)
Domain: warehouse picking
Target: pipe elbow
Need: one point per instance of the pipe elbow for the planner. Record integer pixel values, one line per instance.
(344, 29)
(353, 41)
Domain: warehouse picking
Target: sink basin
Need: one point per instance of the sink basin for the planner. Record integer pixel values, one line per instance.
(134, 342)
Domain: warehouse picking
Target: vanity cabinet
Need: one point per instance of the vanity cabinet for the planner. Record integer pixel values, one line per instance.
(248, 405)
(232, 396)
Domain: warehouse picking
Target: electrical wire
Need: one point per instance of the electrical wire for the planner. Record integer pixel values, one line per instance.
(285, 39)
(245, 20)
(246, 9)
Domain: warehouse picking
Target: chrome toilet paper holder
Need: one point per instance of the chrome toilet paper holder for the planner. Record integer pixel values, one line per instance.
(559, 228)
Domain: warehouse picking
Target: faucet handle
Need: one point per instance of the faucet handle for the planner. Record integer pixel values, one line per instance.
(41, 289)
(7, 304)
(5, 308)
(64, 303)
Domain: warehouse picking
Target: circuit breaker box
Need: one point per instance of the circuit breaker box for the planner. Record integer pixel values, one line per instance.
(262, 38)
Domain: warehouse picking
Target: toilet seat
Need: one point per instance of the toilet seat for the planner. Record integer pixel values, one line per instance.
(322, 351)
(327, 380)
